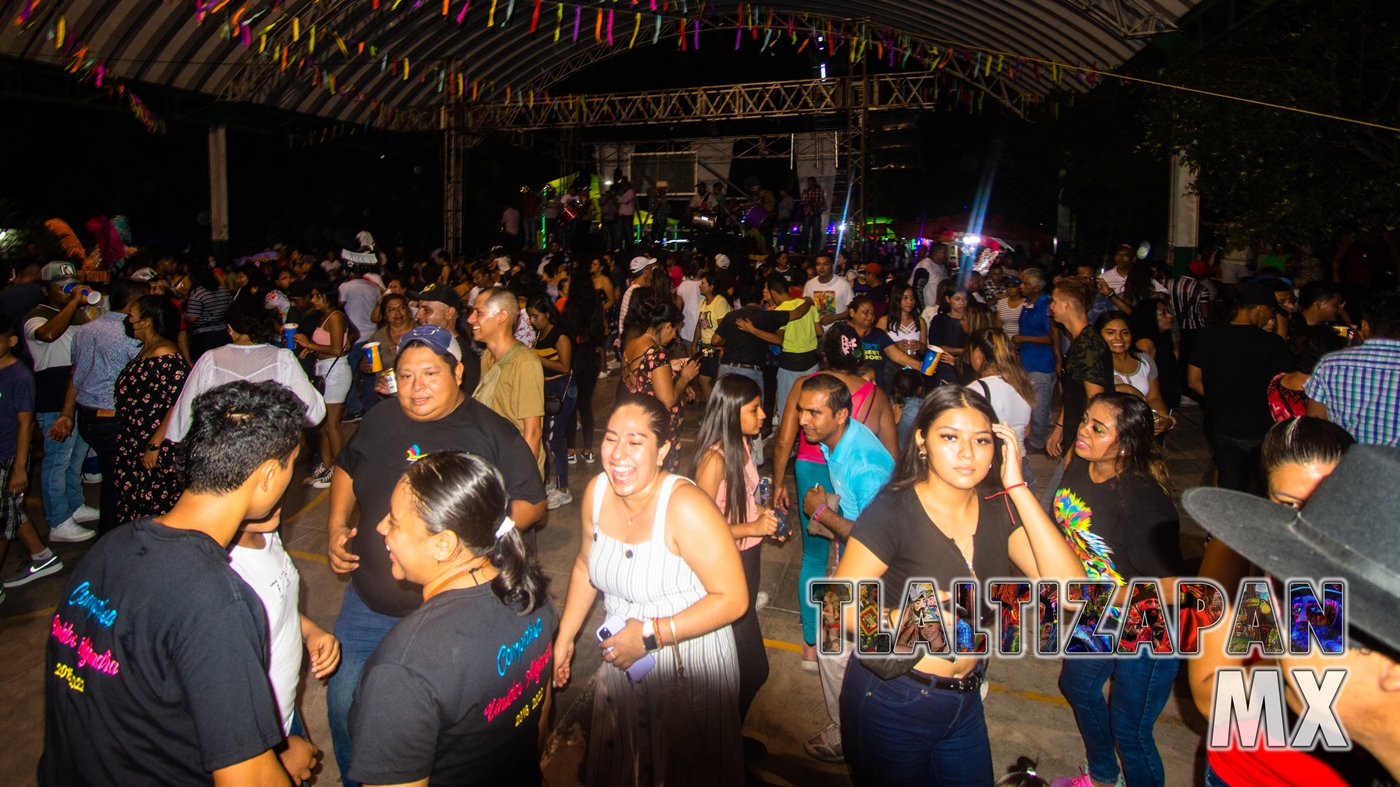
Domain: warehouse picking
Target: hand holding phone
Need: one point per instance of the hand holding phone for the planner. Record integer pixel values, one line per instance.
(637, 669)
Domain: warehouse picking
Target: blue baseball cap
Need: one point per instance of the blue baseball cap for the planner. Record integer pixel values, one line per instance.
(437, 338)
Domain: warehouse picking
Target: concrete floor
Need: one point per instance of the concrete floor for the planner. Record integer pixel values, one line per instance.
(1025, 712)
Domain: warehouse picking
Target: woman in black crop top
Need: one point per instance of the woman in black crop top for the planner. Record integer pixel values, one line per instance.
(932, 521)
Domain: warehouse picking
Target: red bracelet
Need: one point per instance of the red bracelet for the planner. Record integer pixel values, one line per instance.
(1013, 486)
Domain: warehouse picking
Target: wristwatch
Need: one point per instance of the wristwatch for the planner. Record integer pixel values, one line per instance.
(153, 446)
(649, 635)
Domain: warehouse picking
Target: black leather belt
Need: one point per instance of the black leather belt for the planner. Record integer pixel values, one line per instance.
(970, 682)
(753, 366)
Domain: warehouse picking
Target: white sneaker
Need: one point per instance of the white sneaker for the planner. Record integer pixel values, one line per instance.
(322, 479)
(86, 513)
(316, 472)
(70, 532)
(555, 498)
(92, 478)
(761, 601)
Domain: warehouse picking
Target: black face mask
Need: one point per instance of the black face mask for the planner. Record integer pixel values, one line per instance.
(128, 329)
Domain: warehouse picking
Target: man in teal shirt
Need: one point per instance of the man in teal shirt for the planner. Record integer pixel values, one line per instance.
(859, 466)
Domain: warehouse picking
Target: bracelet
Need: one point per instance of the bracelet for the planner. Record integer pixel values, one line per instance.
(817, 515)
(660, 643)
(153, 446)
(674, 639)
(1013, 486)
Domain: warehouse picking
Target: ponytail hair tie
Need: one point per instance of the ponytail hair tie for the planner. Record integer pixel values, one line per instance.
(506, 526)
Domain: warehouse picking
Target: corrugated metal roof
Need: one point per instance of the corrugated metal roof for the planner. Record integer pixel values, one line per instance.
(164, 43)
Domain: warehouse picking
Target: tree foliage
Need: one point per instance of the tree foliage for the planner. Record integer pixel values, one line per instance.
(1279, 175)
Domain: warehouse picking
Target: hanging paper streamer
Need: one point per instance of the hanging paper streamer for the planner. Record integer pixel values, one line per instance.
(578, 20)
(635, 30)
(559, 21)
(62, 33)
(656, 37)
(26, 11)
(598, 26)
(610, 27)
(510, 9)
(680, 37)
(463, 13)
(491, 15)
(695, 33)
(534, 17)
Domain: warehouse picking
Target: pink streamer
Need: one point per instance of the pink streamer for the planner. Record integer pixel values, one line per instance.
(610, 23)
(578, 18)
(738, 36)
(463, 13)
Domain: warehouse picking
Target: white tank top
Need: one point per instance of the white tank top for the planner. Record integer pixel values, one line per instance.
(1010, 317)
(908, 332)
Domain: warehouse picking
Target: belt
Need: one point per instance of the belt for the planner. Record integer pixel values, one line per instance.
(753, 366)
(970, 682)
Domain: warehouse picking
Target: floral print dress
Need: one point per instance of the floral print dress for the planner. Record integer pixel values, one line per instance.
(146, 389)
(637, 379)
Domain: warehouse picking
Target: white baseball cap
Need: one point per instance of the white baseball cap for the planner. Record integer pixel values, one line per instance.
(722, 261)
(639, 264)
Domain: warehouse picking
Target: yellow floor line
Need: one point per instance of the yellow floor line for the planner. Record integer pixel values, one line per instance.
(46, 611)
(309, 556)
(314, 502)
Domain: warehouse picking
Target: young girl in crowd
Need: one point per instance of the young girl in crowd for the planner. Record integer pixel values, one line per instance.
(1115, 512)
(437, 701)
(906, 398)
(904, 326)
(1134, 371)
(663, 556)
(555, 347)
(329, 343)
(1004, 383)
(933, 520)
(726, 472)
(583, 321)
(1296, 456)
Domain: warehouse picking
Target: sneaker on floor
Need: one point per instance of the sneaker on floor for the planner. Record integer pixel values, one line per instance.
(86, 513)
(1082, 780)
(573, 459)
(322, 479)
(605, 374)
(352, 418)
(92, 478)
(69, 531)
(761, 601)
(810, 665)
(316, 470)
(826, 745)
(556, 498)
(588, 457)
(32, 570)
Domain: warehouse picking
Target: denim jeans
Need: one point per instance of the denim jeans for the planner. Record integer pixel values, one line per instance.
(786, 379)
(362, 395)
(61, 476)
(102, 433)
(1213, 779)
(1044, 385)
(1141, 687)
(556, 425)
(815, 549)
(359, 630)
(901, 732)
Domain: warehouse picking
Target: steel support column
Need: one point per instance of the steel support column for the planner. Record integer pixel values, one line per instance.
(218, 189)
(453, 182)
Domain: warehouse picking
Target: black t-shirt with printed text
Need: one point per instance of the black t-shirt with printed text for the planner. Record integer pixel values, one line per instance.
(156, 666)
(454, 693)
(384, 446)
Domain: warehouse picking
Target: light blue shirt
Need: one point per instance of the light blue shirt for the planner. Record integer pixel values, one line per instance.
(101, 349)
(859, 467)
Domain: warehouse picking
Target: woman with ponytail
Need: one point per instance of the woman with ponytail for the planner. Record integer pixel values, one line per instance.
(436, 701)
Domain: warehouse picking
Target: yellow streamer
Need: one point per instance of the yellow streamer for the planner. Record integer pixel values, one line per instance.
(635, 31)
(296, 29)
(558, 21)
(62, 32)
(491, 17)
(405, 69)
(340, 42)
(262, 44)
(311, 47)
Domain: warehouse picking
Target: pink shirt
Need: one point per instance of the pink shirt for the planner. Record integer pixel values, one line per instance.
(750, 486)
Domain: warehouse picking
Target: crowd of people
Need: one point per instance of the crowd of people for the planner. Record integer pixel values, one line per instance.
(895, 409)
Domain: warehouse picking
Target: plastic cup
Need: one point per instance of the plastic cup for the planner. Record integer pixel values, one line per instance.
(288, 331)
(92, 296)
(932, 357)
(376, 364)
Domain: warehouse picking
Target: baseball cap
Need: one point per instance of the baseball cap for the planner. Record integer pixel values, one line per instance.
(58, 272)
(1198, 268)
(1257, 295)
(639, 264)
(143, 274)
(873, 267)
(438, 293)
(437, 338)
(722, 261)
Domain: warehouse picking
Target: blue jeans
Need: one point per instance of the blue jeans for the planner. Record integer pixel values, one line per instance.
(898, 732)
(556, 425)
(1213, 779)
(61, 476)
(815, 549)
(1044, 385)
(1141, 687)
(786, 379)
(753, 374)
(359, 630)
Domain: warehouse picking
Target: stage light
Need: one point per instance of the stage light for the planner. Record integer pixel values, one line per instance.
(823, 70)
(971, 240)
(1144, 249)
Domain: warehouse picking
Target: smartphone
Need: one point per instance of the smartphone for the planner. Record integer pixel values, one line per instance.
(641, 666)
